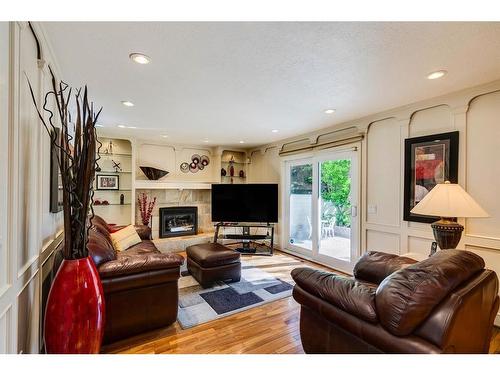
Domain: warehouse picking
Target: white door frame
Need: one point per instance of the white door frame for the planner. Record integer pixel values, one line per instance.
(350, 151)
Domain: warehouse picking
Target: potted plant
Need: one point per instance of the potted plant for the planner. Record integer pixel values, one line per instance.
(74, 317)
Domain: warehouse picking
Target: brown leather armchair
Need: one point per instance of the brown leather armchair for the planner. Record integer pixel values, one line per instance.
(444, 304)
(140, 283)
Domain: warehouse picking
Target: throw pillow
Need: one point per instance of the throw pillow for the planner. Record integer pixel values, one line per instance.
(125, 238)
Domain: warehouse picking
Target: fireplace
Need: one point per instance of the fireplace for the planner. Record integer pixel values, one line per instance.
(178, 221)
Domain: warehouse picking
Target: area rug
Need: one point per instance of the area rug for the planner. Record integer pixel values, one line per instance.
(263, 280)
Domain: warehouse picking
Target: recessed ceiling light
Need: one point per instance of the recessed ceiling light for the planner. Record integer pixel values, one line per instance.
(165, 136)
(139, 58)
(132, 127)
(126, 103)
(275, 130)
(437, 74)
(121, 126)
(242, 141)
(329, 111)
(99, 126)
(206, 140)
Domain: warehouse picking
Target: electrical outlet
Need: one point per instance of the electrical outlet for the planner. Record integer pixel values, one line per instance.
(372, 209)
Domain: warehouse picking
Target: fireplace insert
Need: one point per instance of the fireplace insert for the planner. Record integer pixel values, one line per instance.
(178, 221)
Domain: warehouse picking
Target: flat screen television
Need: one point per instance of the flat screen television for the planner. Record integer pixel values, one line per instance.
(251, 203)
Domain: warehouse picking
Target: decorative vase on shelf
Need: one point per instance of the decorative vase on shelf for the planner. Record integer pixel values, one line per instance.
(242, 174)
(231, 170)
(74, 318)
(153, 173)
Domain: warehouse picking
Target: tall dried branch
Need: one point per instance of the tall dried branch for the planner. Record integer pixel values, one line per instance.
(77, 160)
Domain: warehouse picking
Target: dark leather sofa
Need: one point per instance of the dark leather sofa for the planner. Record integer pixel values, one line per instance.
(140, 283)
(444, 304)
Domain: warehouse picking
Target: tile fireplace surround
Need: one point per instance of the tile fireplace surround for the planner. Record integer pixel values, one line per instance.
(174, 197)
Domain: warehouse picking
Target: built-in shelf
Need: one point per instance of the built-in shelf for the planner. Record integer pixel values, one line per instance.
(111, 204)
(114, 212)
(148, 184)
(101, 171)
(99, 191)
(233, 162)
(114, 154)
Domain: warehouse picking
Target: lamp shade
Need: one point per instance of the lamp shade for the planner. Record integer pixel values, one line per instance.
(449, 200)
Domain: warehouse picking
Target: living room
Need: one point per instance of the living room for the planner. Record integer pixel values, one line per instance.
(257, 187)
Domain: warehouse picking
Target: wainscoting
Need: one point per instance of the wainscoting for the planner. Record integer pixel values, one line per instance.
(28, 231)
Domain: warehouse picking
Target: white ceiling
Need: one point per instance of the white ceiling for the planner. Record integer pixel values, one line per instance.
(227, 82)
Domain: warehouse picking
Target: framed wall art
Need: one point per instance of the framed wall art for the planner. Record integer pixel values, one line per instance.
(429, 160)
(108, 182)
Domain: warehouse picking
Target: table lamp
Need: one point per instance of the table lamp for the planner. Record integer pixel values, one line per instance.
(448, 201)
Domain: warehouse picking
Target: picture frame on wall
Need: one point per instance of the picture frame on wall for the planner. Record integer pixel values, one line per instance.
(107, 182)
(429, 160)
(56, 189)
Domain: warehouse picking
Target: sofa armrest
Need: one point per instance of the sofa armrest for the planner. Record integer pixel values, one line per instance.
(137, 263)
(143, 231)
(353, 296)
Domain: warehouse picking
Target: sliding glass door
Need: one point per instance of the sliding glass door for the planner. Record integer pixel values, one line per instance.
(321, 208)
(300, 205)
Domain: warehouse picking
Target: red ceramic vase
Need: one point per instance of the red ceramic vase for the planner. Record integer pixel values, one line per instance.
(74, 316)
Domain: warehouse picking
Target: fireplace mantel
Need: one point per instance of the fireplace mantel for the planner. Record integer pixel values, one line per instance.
(147, 184)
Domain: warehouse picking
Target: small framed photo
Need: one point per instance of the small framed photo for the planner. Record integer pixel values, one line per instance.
(108, 182)
(429, 160)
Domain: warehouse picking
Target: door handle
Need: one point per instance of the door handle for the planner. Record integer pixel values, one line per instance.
(354, 211)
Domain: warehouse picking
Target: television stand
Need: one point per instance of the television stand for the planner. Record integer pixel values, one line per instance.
(249, 244)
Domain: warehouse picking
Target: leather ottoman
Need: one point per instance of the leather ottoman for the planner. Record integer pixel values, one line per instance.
(212, 262)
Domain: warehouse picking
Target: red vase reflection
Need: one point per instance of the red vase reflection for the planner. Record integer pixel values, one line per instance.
(74, 316)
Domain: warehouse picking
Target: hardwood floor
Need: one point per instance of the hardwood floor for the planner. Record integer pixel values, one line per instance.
(272, 328)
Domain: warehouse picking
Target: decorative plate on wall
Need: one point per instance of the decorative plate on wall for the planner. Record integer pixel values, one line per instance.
(205, 160)
(185, 167)
(193, 167)
(195, 158)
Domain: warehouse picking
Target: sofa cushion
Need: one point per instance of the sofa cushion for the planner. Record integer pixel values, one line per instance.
(407, 297)
(212, 255)
(125, 238)
(137, 261)
(375, 266)
(100, 247)
(353, 296)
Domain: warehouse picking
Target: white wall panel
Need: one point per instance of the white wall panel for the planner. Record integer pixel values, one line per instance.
(383, 173)
(27, 152)
(419, 245)
(382, 241)
(156, 156)
(5, 330)
(28, 309)
(4, 148)
(483, 162)
(432, 120)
